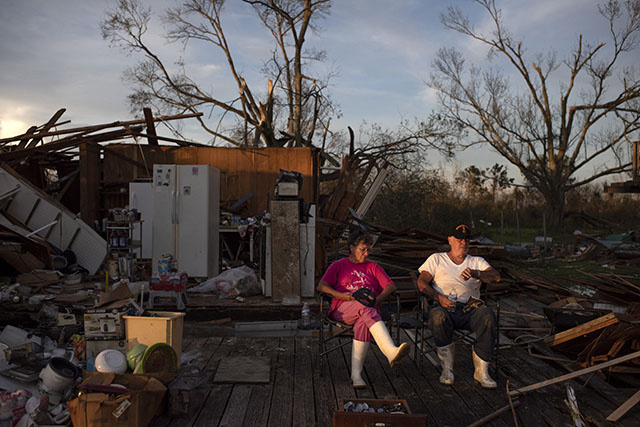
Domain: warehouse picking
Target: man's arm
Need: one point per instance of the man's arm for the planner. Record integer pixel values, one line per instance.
(424, 285)
(489, 275)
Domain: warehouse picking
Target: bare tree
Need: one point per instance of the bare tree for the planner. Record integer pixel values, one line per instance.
(307, 107)
(595, 110)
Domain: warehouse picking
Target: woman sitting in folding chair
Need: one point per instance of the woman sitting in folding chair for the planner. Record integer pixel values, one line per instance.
(358, 287)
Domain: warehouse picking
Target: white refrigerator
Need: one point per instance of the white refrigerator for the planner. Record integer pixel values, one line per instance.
(186, 217)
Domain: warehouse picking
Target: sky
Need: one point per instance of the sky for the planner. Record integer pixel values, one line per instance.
(53, 56)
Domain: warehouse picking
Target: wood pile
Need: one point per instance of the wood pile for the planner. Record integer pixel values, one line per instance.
(588, 320)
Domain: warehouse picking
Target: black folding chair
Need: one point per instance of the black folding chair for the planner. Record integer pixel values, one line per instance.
(330, 330)
(461, 334)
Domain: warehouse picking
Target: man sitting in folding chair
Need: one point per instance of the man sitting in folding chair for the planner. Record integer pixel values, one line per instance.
(452, 279)
(358, 287)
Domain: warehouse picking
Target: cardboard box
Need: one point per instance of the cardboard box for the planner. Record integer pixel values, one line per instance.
(135, 408)
(342, 418)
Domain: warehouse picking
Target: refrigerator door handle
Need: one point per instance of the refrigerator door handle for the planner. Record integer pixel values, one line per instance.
(177, 206)
(173, 207)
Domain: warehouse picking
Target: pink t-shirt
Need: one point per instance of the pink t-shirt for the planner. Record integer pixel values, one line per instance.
(346, 276)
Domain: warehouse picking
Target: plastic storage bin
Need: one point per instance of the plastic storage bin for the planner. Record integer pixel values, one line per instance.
(159, 326)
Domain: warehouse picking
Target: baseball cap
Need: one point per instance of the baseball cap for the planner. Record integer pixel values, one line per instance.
(462, 231)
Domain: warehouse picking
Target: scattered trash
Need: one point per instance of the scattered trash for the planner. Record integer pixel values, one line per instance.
(232, 283)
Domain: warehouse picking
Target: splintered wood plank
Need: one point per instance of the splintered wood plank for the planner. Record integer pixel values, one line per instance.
(624, 408)
(591, 404)
(282, 399)
(304, 410)
(575, 374)
(243, 370)
(584, 329)
(521, 369)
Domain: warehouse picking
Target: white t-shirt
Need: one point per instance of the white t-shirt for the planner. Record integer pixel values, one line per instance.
(446, 274)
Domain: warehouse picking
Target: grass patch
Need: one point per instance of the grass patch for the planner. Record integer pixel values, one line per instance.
(511, 235)
(560, 269)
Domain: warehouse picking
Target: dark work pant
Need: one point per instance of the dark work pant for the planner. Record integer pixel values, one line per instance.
(481, 321)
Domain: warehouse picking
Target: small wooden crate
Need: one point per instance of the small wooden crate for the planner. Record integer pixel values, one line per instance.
(342, 418)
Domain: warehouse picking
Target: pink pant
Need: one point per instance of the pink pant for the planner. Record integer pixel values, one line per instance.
(358, 315)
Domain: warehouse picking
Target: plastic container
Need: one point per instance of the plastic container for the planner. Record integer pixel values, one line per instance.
(159, 326)
(111, 360)
(453, 296)
(306, 315)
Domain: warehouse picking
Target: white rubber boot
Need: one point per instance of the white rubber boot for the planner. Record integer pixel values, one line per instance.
(445, 354)
(386, 344)
(358, 354)
(481, 373)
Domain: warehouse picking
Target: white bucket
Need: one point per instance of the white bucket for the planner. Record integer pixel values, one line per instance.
(58, 375)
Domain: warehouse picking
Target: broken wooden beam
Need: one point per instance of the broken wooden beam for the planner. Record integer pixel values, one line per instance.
(47, 126)
(575, 374)
(95, 128)
(151, 128)
(581, 330)
(624, 408)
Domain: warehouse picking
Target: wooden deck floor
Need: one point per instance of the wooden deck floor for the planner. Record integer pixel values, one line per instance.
(297, 395)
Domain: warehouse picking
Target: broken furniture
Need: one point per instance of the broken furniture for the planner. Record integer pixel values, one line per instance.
(28, 211)
(169, 285)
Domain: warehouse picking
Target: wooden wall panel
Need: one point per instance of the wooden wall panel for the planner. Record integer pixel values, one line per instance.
(241, 170)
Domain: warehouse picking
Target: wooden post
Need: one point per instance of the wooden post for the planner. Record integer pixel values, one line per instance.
(151, 128)
(89, 182)
(285, 251)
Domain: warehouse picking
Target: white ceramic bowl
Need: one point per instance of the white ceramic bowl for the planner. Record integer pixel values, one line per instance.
(111, 360)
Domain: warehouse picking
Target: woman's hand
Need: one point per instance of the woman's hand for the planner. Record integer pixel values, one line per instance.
(346, 296)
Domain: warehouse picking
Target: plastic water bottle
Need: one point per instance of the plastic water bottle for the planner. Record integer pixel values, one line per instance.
(306, 315)
(453, 296)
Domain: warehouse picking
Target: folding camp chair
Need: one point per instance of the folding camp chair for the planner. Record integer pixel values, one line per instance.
(426, 347)
(330, 330)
